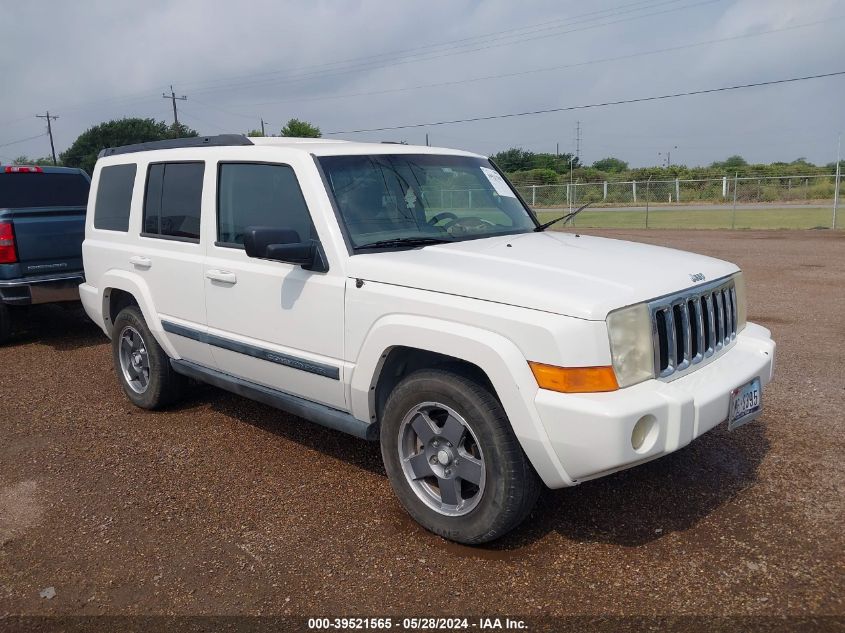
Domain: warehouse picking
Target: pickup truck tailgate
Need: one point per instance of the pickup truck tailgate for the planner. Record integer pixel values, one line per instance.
(49, 239)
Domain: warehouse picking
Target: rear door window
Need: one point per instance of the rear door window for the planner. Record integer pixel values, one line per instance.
(114, 197)
(173, 201)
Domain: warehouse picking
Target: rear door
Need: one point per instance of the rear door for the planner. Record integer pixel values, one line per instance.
(169, 253)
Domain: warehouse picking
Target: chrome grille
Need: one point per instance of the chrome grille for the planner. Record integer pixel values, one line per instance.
(693, 327)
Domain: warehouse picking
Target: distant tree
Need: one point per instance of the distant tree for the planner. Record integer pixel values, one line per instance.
(731, 162)
(83, 152)
(255, 133)
(514, 159)
(26, 160)
(301, 129)
(611, 165)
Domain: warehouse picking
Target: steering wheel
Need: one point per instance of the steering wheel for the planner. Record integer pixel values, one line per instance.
(446, 215)
(467, 224)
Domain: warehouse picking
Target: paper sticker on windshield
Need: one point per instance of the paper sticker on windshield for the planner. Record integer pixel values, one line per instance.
(498, 182)
(410, 199)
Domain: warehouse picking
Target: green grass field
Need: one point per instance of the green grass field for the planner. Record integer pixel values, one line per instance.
(774, 218)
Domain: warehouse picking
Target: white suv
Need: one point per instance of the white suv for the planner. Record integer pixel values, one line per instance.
(408, 294)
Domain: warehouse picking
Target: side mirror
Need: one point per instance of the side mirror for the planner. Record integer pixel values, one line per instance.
(284, 245)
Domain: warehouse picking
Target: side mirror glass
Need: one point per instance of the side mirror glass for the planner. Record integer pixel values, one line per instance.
(284, 245)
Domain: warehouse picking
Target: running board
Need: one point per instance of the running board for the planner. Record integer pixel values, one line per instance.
(312, 411)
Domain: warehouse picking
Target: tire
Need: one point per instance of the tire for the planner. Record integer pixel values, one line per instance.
(443, 423)
(5, 323)
(143, 368)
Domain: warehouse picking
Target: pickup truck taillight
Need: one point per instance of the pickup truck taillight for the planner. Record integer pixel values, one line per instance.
(7, 244)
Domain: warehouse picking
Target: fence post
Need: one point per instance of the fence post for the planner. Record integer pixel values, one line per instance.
(733, 218)
(604, 197)
(634, 189)
(533, 195)
(677, 190)
(647, 197)
(724, 186)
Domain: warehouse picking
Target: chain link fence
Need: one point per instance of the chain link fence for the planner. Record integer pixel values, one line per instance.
(809, 201)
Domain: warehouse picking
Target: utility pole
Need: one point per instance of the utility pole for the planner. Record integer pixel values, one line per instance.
(172, 96)
(668, 156)
(426, 140)
(262, 127)
(49, 118)
(578, 140)
(557, 150)
(838, 179)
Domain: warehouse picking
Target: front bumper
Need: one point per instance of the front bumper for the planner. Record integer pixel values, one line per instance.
(41, 289)
(591, 433)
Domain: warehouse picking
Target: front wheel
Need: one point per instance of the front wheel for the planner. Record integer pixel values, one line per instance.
(452, 458)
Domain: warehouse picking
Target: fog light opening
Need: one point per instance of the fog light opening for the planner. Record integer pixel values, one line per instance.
(644, 434)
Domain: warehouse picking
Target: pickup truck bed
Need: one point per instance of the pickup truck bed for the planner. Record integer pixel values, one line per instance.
(42, 225)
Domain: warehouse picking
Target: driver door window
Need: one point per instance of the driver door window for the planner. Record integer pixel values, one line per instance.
(253, 194)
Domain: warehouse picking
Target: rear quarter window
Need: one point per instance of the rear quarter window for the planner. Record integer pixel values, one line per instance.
(28, 190)
(114, 197)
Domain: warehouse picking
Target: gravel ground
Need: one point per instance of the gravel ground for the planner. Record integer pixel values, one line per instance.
(225, 506)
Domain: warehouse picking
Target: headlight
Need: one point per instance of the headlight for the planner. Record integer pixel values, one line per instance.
(631, 344)
(741, 305)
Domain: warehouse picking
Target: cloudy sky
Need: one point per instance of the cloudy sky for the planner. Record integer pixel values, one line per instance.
(358, 64)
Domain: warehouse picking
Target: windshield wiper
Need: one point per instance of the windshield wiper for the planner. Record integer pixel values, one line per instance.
(405, 241)
(568, 216)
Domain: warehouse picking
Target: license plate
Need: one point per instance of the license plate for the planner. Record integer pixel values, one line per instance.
(746, 404)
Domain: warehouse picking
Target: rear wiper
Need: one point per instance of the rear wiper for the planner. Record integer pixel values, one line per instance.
(568, 216)
(405, 241)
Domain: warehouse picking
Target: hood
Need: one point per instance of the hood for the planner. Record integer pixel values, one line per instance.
(578, 276)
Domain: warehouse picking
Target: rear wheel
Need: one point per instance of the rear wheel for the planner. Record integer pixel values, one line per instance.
(142, 366)
(452, 458)
(5, 323)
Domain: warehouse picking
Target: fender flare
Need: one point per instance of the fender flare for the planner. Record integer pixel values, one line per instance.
(134, 285)
(498, 357)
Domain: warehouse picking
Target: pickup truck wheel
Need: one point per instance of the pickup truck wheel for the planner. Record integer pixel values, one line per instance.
(5, 323)
(142, 366)
(452, 458)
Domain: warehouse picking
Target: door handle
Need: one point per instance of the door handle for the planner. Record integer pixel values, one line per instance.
(223, 276)
(140, 262)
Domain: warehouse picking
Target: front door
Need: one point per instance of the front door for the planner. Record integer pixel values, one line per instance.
(270, 322)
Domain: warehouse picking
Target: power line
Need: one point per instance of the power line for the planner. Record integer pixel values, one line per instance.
(460, 43)
(602, 60)
(591, 105)
(23, 140)
(612, 12)
(411, 60)
(49, 118)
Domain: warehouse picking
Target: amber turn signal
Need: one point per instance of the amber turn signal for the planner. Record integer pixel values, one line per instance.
(574, 379)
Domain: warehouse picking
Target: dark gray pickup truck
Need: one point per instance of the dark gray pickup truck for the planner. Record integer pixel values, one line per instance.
(42, 225)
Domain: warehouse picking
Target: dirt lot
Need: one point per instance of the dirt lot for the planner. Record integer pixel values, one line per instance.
(225, 506)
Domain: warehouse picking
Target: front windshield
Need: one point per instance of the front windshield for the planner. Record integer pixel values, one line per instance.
(394, 199)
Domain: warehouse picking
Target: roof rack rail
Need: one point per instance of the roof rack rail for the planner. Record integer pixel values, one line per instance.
(221, 140)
